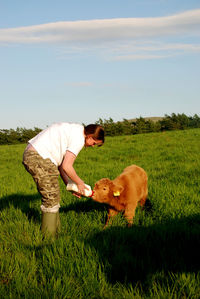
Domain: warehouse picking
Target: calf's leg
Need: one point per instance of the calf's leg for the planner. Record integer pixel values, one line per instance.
(111, 213)
(129, 214)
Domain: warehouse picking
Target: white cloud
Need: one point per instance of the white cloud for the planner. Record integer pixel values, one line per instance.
(123, 38)
(152, 50)
(139, 57)
(79, 84)
(105, 29)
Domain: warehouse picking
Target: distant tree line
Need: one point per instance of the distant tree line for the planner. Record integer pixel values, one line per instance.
(142, 125)
(125, 127)
(20, 135)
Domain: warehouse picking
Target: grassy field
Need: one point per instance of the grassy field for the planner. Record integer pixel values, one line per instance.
(156, 258)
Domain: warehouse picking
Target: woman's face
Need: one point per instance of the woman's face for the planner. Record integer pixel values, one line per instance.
(90, 141)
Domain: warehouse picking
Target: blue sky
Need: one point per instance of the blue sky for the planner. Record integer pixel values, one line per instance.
(79, 60)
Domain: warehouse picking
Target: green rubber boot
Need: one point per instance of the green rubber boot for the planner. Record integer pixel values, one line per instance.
(58, 224)
(50, 224)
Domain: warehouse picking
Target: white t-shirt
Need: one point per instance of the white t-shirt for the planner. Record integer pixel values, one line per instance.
(54, 141)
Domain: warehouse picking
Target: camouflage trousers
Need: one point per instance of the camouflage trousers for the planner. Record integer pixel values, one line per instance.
(45, 175)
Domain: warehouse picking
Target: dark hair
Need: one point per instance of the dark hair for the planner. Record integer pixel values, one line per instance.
(96, 131)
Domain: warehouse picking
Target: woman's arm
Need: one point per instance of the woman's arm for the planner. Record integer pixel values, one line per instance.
(67, 169)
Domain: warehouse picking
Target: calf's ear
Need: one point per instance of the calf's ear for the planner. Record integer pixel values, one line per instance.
(117, 189)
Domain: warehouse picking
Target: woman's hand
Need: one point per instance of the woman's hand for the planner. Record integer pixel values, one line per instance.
(81, 188)
(76, 194)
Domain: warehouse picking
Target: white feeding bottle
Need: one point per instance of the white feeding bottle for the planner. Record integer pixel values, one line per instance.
(71, 186)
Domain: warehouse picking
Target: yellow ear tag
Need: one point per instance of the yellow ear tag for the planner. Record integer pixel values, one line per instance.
(116, 193)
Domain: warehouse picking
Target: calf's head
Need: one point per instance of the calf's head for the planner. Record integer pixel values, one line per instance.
(105, 190)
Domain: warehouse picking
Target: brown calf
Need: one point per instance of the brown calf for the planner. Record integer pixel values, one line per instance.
(123, 193)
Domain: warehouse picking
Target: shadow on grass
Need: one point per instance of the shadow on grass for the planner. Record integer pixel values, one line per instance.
(135, 254)
(22, 202)
(90, 205)
(83, 206)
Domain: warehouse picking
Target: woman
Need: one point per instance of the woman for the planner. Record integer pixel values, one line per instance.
(52, 153)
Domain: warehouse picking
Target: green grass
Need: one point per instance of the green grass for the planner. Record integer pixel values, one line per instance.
(157, 258)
